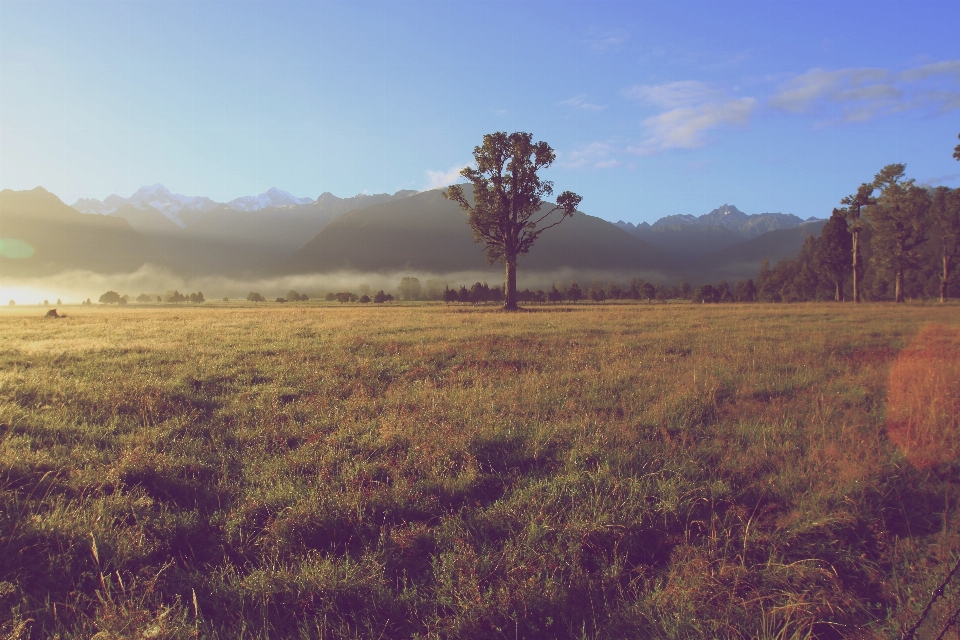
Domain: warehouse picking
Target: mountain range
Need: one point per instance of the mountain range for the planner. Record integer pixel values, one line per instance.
(277, 234)
(248, 236)
(690, 237)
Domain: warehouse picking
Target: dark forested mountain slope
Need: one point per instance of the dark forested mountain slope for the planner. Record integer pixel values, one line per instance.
(427, 232)
(743, 259)
(224, 240)
(62, 238)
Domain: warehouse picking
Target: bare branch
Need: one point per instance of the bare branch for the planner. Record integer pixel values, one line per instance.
(538, 220)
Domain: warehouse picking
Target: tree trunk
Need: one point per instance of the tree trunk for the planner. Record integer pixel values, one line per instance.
(945, 276)
(840, 289)
(899, 297)
(510, 285)
(856, 265)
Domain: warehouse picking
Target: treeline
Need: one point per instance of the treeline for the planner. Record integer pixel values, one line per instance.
(891, 240)
(171, 296)
(598, 291)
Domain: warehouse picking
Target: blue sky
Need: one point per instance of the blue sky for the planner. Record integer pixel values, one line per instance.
(654, 108)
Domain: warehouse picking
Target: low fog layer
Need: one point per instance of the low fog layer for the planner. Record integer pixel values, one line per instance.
(72, 287)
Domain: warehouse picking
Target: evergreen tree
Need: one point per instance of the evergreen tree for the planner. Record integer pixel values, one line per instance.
(648, 291)
(768, 289)
(900, 220)
(723, 292)
(597, 291)
(945, 211)
(479, 292)
(834, 251)
(853, 210)
(555, 295)
(745, 291)
(706, 293)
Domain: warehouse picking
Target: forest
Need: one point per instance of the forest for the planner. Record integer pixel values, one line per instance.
(890, 240)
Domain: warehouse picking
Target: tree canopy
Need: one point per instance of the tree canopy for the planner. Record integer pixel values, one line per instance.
(507, 212)
(900, 222)
(409, 288)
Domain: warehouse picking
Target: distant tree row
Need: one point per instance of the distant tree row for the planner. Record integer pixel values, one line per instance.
(891, 240)
(742, 291)
(171, 296)
(598, 291)
(346, 296)
(292, 296)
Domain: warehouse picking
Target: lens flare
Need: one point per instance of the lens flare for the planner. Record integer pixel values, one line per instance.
(923, 397)
(13, 248)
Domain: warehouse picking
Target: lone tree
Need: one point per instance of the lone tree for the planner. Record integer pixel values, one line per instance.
(110, 297)
(508, 207)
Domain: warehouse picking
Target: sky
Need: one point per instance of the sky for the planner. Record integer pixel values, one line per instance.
(653, 108)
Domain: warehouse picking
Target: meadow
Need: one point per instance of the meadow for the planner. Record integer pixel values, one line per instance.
(427, 471)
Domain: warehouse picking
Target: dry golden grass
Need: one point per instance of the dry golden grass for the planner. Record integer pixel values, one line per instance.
(589, 471)
(923, 397)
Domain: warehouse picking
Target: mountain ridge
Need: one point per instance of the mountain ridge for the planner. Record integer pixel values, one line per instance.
(223, 240)
(430, 233)
(379, 232)
(61, 238)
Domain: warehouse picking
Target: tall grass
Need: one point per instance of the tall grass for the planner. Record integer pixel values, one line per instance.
(664, 471)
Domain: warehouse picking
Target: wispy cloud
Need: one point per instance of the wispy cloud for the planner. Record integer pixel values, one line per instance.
(595, 155)
(603, 40)
(673, 94)
(580, 102)
(864, 93)
(692, 109)
(441, 179)
(950, 68)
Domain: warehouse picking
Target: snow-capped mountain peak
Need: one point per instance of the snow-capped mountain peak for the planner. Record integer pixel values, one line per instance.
(272, 197)
(154, 196)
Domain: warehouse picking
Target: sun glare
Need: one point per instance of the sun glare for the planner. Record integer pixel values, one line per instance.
(28, 295)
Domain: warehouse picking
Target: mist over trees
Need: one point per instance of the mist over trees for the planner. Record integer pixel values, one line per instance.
(409, 289)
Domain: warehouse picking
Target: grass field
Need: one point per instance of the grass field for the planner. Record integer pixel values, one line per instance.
(610, 471)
